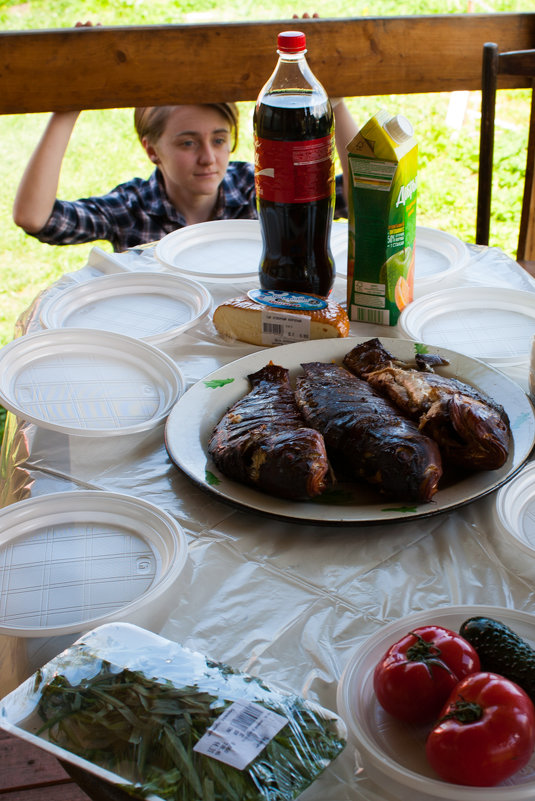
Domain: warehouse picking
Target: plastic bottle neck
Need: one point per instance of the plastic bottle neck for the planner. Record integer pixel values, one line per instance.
(292, 75)
(293, 72)
(292, 57)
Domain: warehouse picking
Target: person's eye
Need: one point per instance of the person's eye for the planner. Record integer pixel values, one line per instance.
(221, 141)
(187, 144)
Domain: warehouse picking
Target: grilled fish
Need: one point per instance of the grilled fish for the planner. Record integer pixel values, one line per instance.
(367, 434)
(471, 429)
(262, 441)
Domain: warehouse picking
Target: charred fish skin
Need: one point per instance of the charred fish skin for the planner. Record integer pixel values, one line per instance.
(366, 432)
(471, 429)
(425, 386)
(263, 442)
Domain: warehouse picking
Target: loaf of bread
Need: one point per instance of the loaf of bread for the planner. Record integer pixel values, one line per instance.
(244, 319)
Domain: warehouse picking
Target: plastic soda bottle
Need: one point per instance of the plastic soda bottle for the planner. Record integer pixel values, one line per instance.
(294, 174)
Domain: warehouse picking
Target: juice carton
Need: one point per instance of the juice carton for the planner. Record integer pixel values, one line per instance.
(382, 219)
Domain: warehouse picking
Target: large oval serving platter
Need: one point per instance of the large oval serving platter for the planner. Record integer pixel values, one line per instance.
(192, 419)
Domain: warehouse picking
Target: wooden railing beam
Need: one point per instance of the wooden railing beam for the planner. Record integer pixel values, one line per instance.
(113, 67)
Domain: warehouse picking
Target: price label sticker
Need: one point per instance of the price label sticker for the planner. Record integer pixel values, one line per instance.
(279, 328)
(240, 733)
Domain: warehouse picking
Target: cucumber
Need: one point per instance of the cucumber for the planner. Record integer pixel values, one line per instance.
(501, 650)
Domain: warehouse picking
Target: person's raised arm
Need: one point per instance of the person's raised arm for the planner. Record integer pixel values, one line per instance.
(38, 188)
(345, 128)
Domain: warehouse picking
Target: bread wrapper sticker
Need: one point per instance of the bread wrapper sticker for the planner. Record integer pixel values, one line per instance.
(383, 159)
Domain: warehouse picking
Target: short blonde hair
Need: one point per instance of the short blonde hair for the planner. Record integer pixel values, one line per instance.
(150, 121)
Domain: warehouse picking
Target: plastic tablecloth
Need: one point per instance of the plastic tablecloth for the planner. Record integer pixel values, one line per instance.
(288, 602)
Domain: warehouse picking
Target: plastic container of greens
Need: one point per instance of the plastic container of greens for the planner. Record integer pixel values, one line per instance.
(136, 709)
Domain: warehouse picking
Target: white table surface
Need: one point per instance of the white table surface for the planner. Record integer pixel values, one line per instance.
(283, 601)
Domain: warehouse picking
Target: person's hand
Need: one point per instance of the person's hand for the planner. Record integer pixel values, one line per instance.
(335, 101)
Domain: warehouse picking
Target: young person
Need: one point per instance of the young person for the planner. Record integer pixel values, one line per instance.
(194, 180)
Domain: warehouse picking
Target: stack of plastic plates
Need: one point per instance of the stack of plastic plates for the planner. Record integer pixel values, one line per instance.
(515, 510)
(153, 306)
(73, 560)
(229, 250)
(88, 383)
(439, 255)
(221, 250)
(489, 323)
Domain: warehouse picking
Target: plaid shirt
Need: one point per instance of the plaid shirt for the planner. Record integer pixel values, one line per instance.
(139, 211)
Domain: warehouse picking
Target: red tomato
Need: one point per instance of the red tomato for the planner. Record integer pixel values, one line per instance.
(416, 675)
(485, 734)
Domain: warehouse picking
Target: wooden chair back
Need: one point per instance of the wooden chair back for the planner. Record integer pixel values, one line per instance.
(517, 62)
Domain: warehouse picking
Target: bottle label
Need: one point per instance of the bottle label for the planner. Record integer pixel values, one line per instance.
(282, 299)
(294, 172)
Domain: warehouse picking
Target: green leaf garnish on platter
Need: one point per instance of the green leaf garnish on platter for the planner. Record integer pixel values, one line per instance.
(216, 383)
(211, 479)
(340, 497)
(420, 348)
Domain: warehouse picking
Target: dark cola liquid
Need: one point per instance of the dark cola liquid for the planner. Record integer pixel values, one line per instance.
(296, 236)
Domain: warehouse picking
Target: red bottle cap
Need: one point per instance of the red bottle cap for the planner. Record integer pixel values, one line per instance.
(291, 42)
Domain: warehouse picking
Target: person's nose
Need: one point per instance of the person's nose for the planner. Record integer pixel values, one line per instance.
(206, 153)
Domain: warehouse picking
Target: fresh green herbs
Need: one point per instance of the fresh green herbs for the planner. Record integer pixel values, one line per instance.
(145, 731)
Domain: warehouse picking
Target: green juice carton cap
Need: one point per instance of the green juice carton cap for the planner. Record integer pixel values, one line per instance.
(383, 160)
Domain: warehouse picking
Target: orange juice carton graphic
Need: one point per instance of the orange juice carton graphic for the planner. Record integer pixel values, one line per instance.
(383, 160)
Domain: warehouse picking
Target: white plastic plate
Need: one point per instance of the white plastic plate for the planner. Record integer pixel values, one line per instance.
(88, 383)
(439, 255)
(490, 323)
(339, 247)
(224, 250)
(152, 306)
(393, 753)
(515, 507)
(73, 560)
(220, 250)
(191, 422)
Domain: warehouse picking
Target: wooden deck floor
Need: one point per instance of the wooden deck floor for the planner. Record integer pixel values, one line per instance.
(29, 774)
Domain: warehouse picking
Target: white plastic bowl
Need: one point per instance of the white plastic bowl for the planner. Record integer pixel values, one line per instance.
(392, 753)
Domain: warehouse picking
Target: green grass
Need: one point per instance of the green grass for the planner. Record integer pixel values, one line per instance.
(104, 150)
